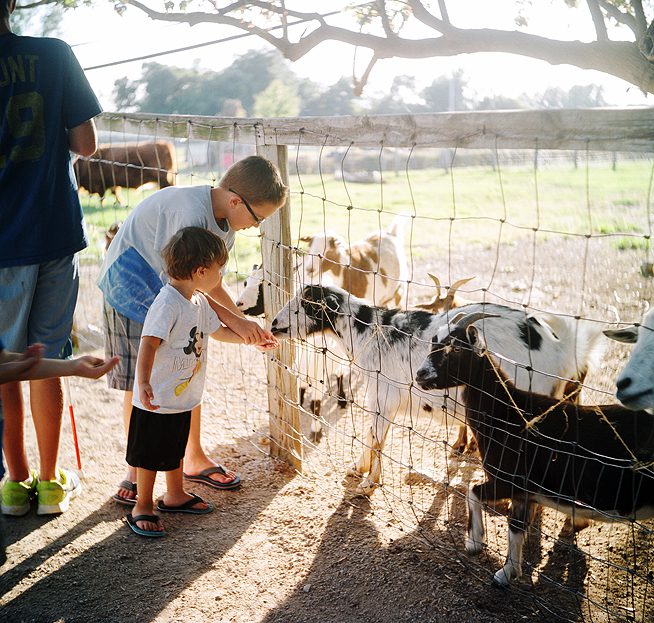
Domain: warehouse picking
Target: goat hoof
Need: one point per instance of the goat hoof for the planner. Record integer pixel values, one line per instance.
(571, 526)
(504, 576)
(342, 403)
(316, 436)
(366, 488)
(353, 470)
(472, 546)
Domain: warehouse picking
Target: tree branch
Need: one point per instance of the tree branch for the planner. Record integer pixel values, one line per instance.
(34, 5)
(598, 20)
(622, 18)
(386, 24)
(641, 20)
(360, 83)
(444, 14)
(618, 58)
(423, 15)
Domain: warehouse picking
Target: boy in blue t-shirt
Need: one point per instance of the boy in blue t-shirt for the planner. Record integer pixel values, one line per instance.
(46, 111)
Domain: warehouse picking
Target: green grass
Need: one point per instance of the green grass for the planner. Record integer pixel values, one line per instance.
(469, 205)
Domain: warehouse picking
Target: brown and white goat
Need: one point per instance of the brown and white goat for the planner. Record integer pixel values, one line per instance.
(590, 462)
(374, 269)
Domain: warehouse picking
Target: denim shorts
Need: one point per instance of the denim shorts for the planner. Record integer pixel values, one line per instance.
(37, 304)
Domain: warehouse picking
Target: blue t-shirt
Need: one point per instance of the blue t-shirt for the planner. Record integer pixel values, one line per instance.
(43, 93)
(133, 270)
(2, 466)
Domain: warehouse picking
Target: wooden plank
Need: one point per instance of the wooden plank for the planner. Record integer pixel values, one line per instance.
(277, 265)
(607, 129)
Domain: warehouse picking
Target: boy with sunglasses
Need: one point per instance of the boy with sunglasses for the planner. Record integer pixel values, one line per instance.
(133, 273)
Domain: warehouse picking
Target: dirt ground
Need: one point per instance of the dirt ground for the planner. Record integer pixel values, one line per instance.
(306, 548)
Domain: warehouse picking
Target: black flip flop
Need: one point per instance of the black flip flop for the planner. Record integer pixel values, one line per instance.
(130, 486)
(203, 477)
(131, 522)
(187, 507)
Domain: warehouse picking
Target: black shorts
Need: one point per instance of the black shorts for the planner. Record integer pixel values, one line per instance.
(157, 441)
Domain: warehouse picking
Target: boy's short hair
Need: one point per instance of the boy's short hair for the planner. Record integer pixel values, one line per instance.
(192, 248)
(257, 179)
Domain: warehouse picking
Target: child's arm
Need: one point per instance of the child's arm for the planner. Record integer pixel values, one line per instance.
(231, 316)
(225, 334)
(30, 366)
(144, 361)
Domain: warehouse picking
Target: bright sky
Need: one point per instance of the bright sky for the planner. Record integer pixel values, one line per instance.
(99, 35)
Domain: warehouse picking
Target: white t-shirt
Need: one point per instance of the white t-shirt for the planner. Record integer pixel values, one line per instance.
(180, 363)
(133, 270)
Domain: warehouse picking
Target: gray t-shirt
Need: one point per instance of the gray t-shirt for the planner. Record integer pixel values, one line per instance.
(180, 363)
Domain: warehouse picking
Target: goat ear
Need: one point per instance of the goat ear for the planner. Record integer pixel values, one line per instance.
(476, 340)
(306, 238)
(255, 266)
(628, 335)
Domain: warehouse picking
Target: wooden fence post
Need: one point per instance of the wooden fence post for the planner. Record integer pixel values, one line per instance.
(277, 266)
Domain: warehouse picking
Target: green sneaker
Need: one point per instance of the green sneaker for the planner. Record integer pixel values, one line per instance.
(16, 495)
(55, 495)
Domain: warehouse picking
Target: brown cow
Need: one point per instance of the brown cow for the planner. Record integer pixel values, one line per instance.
(129, 165)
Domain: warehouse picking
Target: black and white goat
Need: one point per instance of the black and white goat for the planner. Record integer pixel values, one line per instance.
(590, 462)
(388, 345)
(635, 384)
(319, 359)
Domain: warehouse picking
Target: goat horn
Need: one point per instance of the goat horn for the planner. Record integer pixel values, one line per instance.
(453, 288)
(457, 284)
(468, 319)
(437, 282)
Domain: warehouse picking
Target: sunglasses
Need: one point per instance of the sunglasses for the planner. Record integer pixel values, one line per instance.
(258, 220)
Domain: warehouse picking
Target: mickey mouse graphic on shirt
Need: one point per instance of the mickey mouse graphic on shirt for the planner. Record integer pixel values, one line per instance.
(194, 346)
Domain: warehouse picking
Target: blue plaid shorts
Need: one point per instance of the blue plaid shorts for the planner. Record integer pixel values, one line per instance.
(122, 337)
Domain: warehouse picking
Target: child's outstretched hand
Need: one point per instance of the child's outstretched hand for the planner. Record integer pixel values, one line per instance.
(268, 341)
(92, 367)
(147, 396)
(249, 331)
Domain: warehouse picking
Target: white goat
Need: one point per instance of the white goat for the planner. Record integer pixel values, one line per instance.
(388, 345)
(374, 269)
(635, 383)
(318, 360)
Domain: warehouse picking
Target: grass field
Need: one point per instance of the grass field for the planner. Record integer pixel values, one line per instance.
(448, 209)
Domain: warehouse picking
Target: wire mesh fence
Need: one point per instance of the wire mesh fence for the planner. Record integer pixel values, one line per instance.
(542, 220)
